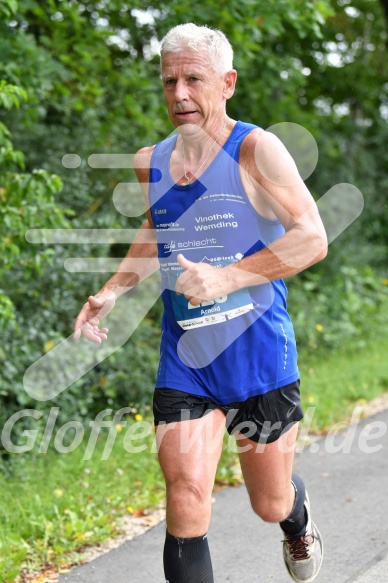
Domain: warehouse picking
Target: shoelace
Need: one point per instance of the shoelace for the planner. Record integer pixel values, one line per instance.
(299, 546)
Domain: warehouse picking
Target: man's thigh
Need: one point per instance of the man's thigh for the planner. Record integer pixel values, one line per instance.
(267, 468)
(189, 436)
(189, 452)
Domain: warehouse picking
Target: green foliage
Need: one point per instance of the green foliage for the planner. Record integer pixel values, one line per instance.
(348, 95)
(346, 309)
(8, 8)
(11, 95)
(27, 200)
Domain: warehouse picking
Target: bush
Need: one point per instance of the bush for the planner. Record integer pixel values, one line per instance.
(347, 307)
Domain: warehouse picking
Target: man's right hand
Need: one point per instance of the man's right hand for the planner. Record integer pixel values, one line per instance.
(95, 309)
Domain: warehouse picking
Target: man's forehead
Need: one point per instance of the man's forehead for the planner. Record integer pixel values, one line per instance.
(187, 60)
(168, 73)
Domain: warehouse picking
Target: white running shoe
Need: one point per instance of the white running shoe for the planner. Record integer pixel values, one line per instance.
(303, 555)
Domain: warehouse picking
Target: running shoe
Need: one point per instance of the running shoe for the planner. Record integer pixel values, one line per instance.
(303, 554)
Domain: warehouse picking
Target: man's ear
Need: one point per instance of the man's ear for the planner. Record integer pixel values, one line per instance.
(230, 79)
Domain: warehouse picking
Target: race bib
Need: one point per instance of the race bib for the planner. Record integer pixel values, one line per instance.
(209, 312)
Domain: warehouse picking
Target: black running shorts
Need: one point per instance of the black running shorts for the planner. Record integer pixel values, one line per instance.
(262, 418)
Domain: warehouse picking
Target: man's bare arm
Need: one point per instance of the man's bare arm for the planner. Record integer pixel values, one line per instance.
(277, 191)
(140, 262)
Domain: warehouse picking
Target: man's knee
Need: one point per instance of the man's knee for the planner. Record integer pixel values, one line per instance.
(187, 493)
(269, 508)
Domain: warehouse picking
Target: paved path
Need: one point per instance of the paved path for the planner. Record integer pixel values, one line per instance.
(348, 491)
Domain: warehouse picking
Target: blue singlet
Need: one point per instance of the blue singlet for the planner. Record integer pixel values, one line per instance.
(238, 345)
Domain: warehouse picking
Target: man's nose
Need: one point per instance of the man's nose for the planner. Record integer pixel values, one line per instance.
(181, 91)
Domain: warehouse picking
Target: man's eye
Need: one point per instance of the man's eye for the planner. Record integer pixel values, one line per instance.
(169, 82)
(193, 79)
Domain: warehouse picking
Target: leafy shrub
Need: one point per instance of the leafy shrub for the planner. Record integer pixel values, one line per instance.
(346, 307)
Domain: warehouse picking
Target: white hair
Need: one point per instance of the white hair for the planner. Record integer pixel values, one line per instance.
(200, 38)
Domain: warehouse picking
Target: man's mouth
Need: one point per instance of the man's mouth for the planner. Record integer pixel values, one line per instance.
(184, 114)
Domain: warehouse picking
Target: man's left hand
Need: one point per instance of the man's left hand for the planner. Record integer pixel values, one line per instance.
(201, 282)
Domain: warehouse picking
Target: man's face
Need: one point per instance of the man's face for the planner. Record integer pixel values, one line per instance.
(194, 92)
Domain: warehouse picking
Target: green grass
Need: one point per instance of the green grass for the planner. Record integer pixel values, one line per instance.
(59, 503)
(53, 505)
(334, 383)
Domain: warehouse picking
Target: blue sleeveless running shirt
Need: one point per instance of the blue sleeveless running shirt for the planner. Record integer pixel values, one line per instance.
(238, 345)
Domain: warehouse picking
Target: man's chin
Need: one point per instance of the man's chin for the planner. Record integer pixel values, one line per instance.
(190, 129)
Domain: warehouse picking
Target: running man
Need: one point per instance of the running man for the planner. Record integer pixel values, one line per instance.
(228, 219)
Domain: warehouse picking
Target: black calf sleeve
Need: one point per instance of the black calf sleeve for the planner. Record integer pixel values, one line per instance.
(187, 560)
(295, 522)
